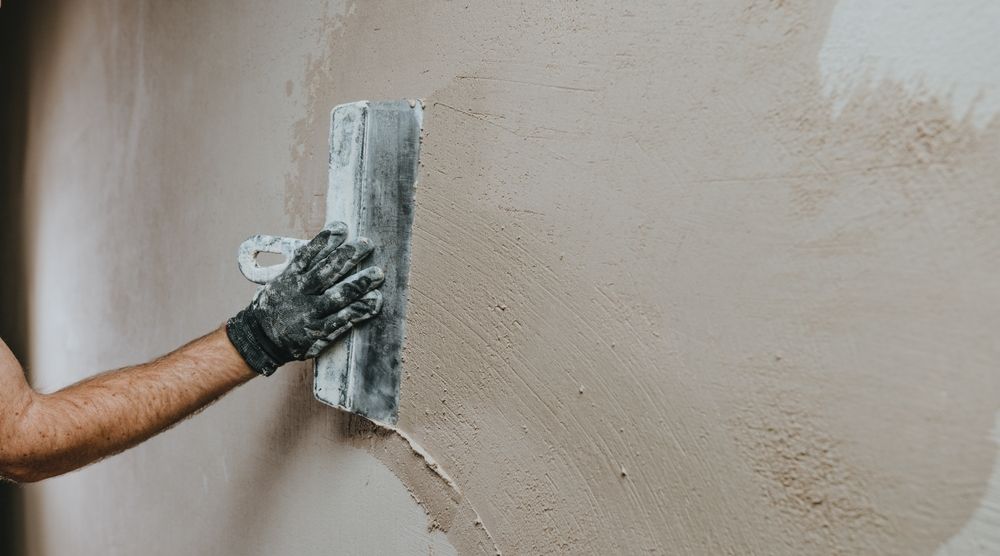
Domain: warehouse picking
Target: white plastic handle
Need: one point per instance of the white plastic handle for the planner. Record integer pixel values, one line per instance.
(258, 244)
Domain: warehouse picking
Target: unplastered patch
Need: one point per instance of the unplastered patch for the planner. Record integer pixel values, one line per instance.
(944, 50)
(980, 534)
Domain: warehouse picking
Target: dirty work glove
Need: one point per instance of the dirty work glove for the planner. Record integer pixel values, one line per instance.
(308, 305)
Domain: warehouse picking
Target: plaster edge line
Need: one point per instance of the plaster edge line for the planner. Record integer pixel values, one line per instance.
(977, 532)
(436, 468)
(429, 460)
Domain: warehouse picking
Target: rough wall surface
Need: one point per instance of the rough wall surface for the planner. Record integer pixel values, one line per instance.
(688, 277)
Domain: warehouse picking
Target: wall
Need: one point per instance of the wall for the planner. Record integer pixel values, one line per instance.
(158, 142)
(688, 277)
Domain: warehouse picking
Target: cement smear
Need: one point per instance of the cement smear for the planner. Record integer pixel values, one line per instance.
(649, 238)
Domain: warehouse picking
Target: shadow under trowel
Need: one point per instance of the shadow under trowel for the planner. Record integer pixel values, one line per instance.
(292, 422)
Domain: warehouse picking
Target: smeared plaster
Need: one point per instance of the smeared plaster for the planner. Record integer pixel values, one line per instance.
(448, 510)
(640, 244)
(738, 283)
(932, 49)
(429, 460)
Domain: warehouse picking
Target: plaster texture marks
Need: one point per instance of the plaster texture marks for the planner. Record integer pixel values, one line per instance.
(776, 306)
(647, 237)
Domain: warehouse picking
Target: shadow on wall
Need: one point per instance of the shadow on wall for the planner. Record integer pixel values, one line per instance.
(13, 301)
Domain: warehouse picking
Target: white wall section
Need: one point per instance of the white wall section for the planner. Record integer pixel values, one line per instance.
(931, 49)
(981, 534)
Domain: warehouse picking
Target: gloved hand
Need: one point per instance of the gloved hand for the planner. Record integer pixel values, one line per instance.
(308, 305)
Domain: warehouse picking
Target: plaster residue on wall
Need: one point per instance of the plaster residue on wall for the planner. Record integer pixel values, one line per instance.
(448, 510)
(641, 244)
(803, 470)
(931, 49)
(660, 301)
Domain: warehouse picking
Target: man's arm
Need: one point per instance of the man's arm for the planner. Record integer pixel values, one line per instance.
(42, 435)
(293, 317)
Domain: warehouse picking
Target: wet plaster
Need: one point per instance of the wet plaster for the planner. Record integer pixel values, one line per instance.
(671, 291)
(448, 509)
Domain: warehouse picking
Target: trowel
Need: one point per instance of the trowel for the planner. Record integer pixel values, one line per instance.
(374, 156)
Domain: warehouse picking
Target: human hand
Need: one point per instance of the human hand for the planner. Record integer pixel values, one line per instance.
(299, 313)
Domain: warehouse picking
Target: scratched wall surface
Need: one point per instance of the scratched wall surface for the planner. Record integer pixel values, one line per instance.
(688, 277)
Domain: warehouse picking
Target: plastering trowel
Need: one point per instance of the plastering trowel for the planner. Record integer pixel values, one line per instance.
(374, 155)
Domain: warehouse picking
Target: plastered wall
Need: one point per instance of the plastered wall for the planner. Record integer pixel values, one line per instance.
(688, 277)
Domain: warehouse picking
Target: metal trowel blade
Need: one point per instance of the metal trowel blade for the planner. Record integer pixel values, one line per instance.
(374, 157)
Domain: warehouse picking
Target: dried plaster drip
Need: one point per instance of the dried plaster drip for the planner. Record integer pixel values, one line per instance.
(436, 468)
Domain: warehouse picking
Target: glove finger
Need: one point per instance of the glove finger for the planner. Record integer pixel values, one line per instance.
(345, 319)
(351, 289)
(327, 271)
(332, 236)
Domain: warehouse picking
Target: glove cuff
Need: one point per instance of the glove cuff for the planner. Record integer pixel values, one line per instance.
(247, 336)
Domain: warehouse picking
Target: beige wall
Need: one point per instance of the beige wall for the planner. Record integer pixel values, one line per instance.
(688, 277)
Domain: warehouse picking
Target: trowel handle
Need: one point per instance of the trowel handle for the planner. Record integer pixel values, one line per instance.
(256, 245)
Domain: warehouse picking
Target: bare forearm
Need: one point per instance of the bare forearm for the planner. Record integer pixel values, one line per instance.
(293, 317)
(113, 411)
